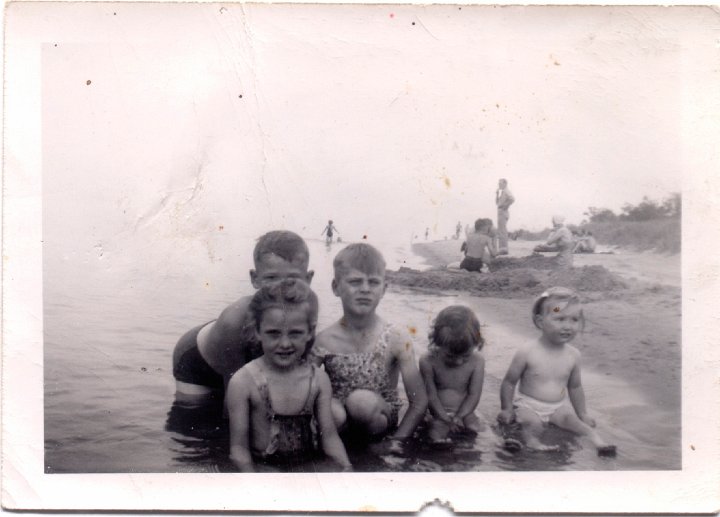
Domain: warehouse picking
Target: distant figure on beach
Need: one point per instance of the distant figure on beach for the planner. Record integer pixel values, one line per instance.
(458, 229)
(453, 371)
(329, 232)
(503, 200)
(479, 247)
(548, 370)
(205, 357)
(585, 242)
(364, 356)
(560, 240)
(427, 232)
(279, 404)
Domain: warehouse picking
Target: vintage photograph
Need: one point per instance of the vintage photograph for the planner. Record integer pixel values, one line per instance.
(393, 239)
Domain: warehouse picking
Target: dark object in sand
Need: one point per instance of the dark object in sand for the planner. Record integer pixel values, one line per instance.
(607, 451)
(512, 445)
(529, 262)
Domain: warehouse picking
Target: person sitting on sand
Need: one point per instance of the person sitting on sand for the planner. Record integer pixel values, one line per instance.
(548, 370)
(585, 243)
(479, 247)
(453, 371)
(560, 240)
(364, 356)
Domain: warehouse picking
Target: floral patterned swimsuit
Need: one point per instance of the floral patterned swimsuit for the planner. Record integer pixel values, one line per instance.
(293, 438)
(350, 372)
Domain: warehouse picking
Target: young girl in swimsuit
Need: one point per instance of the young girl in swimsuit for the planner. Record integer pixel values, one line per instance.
(453, 371)
(279, 404)
(548, 370)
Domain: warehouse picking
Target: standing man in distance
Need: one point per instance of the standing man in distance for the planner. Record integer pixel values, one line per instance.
(503, 200)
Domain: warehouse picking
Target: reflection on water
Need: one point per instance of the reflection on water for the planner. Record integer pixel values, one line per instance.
(109, 391)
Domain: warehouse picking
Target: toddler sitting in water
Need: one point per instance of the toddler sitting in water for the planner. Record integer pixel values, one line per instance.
(363, 355)
(279, 403)
(453, 371)
(548, 370)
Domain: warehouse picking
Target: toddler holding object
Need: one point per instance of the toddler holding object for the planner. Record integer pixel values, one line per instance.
(279, 404)
(453, 371)
(548, 369)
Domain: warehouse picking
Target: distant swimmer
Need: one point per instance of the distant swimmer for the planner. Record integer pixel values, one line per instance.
(329, 231)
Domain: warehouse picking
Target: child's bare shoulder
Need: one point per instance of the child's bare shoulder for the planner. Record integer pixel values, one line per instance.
(241, 382)
(477, 359)
(329, 338)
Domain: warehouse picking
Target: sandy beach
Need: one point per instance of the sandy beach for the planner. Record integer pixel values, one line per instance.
(631, 343)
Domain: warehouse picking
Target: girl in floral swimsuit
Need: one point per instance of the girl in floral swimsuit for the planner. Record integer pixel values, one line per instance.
(279, 404)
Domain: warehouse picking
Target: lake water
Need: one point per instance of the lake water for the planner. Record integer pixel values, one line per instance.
(113, 316)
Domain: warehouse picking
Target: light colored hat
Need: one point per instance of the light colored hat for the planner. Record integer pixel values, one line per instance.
(558, 219)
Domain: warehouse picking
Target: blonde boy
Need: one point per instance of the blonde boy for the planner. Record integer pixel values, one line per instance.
(364, 356)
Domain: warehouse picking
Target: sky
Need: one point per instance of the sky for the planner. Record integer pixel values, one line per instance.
(173, 122)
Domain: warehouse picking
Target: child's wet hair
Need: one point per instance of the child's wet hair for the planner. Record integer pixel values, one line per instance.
(360, 256)
(286, 295)
(562, 296)
(456, 329)
(287, 245)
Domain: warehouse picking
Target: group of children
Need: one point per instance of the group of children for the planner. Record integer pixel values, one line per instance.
(291, 392)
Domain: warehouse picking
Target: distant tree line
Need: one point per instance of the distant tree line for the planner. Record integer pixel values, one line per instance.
(646, 210)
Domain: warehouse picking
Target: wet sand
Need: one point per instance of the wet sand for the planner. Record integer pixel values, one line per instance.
(631, 343)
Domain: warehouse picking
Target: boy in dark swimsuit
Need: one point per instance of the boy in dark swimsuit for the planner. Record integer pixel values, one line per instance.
(206, 357)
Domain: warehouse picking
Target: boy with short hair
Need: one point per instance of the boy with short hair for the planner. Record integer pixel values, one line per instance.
(364, 356)
(205, 357)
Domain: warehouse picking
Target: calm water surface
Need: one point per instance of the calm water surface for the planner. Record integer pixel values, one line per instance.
(111, 323)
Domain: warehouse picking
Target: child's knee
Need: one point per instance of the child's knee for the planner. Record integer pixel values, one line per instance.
(472, 422)
(369, 409)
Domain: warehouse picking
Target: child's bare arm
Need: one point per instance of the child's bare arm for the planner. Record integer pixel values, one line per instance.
(428, 375)
(331, 443)
(474, 390)
(238, 404)
(507, 388)
(414, 387)
(577, 395)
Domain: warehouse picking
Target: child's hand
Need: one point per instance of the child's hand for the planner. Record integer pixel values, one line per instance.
(456, 424)
(506, 416)
(588, 420)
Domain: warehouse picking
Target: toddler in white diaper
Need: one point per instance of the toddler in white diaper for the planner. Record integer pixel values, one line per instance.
(548, 371)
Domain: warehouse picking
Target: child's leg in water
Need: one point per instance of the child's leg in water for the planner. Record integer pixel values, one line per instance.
(472, 423)
(566, 418)
(532, 428)
(438, 431)
(369, 410)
